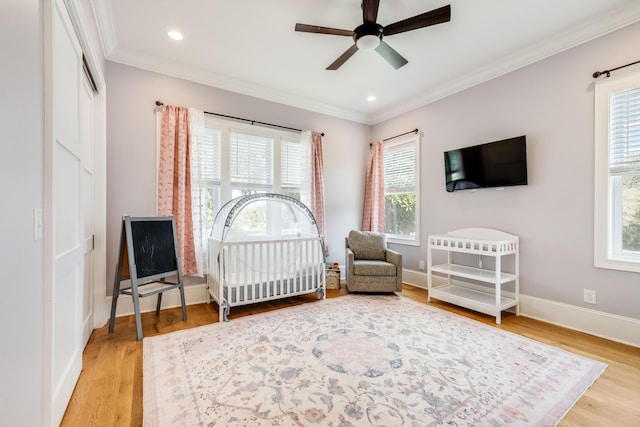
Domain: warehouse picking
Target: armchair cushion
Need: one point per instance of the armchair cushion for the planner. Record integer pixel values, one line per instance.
(368, 245)
(373, 268)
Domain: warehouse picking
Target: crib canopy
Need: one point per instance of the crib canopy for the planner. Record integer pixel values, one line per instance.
(264, 216)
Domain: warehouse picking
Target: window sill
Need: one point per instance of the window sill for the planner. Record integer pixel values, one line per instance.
(611, 264)
(401, 241)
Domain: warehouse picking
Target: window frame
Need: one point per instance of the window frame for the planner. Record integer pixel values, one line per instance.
(405, 239)
(226, 127)
(608, 188)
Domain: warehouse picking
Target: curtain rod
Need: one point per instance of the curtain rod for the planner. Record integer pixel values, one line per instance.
(253, 122)
(402, 134)
(608, 72)
(397, 136)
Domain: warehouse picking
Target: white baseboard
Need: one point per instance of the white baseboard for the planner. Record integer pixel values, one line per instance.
(414, 278)
(194, 294)
(625, 330)
(605, 325)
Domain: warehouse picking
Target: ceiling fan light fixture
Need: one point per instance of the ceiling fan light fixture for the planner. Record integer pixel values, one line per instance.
(368, 42)
(175, 35)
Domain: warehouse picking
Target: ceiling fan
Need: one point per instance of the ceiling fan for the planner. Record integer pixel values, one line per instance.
(369, 35)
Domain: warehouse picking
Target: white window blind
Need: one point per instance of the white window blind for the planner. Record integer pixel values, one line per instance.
(205, 175)
(291, 162)
(400, 168)
(251, 159)
(624, 128)
(207, 155)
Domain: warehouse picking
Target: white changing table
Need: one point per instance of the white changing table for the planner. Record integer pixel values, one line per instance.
(482, 242)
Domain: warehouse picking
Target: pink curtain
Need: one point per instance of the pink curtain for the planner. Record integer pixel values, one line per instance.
(317, 184)
(373, 214)
(317, 180)
(174, 181)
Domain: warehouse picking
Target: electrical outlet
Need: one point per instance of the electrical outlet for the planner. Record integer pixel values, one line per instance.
(421, 265)
(589, 296)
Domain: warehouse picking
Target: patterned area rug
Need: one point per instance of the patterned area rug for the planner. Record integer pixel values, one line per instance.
(358, 360)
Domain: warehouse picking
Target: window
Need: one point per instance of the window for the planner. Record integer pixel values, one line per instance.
(235, 161)
(401, 193)
(617, 173)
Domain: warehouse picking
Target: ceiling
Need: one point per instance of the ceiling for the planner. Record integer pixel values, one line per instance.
(250, 46)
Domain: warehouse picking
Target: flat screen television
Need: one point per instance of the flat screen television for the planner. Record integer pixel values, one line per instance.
(495, 164)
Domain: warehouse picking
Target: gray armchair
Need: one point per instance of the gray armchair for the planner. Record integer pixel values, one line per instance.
(371, 266)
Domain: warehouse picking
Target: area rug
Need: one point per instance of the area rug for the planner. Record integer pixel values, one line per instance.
(358, 360)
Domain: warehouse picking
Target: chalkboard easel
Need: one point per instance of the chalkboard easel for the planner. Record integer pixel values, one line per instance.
(148, 256)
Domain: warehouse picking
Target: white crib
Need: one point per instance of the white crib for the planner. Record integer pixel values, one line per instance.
(249, 272)
(279, 255)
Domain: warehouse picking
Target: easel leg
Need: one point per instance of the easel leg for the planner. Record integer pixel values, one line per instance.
(158, 304)
(184, 305)
(114, 299)
(136, 309)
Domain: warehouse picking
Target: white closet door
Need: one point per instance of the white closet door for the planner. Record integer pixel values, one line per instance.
(87, 123)
(65, 241)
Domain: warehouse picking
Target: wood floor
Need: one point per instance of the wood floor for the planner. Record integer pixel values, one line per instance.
(109, 391)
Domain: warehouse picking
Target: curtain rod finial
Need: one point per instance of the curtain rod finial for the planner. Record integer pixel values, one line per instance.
(600, 73)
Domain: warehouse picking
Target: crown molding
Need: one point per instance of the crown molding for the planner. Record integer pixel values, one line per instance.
(106, 28)
(205, 77)
(570, 38)
(624, 15)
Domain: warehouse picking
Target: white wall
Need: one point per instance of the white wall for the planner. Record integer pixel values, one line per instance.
(21, 188)
(552, 103)
(131, 150)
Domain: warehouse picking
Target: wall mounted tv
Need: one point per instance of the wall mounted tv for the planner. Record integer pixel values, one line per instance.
(495, 164)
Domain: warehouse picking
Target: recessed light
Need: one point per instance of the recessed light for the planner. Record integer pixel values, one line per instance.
(371, 98)
(175, 35)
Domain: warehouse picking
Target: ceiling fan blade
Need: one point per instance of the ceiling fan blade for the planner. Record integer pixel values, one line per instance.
(390, 55)
(370, 10)
(343, 58)
(323, 30)
(436, 16)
